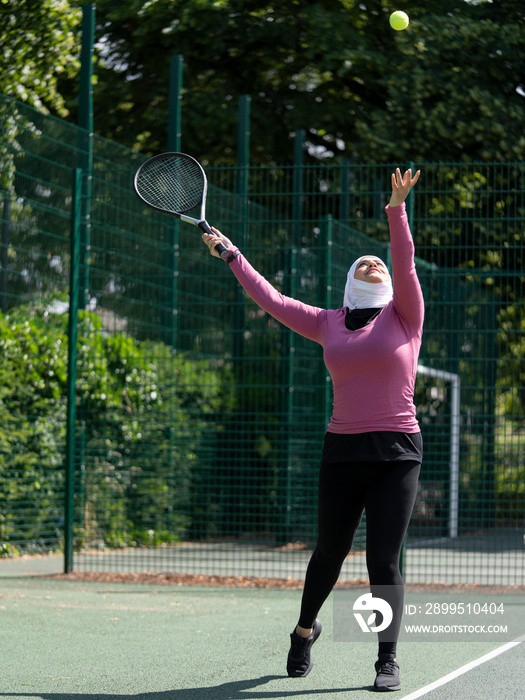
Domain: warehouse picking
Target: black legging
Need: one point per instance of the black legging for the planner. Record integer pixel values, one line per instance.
(386, 491)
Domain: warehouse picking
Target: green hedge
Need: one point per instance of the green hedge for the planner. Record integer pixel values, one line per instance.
(143, 413)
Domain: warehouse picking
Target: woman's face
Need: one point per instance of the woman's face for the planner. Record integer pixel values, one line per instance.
(371, 269)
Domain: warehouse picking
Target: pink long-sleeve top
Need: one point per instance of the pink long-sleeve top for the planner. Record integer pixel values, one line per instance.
(373, 369)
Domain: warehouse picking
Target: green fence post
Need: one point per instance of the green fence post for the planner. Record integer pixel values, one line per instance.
(297, 210)
(72, 369)
(490, 373)
(243, 164)
(85, 140)
(410, 198)
(243, 145)
(378, 201)
(326, 274)
(174, 144)
(242, 184)
(298, 161)
(290, 284)
(344, 209)
(175, 103)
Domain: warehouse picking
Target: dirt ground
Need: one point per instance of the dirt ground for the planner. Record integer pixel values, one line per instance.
(171, 579)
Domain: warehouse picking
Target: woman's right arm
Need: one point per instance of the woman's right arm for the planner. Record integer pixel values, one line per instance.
(301, 318)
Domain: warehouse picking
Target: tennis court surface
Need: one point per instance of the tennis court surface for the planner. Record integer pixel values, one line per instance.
(67, 640)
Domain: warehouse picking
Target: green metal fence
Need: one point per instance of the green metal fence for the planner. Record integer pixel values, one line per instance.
(191, 439)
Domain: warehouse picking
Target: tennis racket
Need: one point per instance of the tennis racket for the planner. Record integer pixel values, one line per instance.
(175, 184)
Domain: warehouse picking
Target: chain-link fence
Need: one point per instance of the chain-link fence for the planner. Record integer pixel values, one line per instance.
(191, 439)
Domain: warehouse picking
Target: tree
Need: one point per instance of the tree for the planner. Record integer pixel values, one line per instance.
(448, 87)
(457, 91)
(40, 43)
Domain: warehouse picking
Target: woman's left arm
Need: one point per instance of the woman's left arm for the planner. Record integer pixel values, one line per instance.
(408, 298)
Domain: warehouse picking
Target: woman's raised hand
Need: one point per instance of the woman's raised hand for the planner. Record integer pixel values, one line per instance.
(401, 186)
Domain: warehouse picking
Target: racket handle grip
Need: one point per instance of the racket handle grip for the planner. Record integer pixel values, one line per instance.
(220, 248)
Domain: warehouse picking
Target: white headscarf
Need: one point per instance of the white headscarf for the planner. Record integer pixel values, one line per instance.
(366, 295)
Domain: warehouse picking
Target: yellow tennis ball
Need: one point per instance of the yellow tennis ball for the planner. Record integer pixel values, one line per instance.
(399, 20)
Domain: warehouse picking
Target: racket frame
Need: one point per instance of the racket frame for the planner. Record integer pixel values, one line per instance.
(183, 215)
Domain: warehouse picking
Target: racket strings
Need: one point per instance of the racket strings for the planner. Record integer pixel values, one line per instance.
(173, 183)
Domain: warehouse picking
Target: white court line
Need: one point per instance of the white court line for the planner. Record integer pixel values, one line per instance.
(464, 669)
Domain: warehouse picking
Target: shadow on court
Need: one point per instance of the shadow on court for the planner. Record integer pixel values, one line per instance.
(236, 690)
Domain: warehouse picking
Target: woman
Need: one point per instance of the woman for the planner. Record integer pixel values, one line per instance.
(373, 449)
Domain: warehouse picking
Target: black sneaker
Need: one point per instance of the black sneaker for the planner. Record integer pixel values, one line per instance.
(387, 674)
(300, 661)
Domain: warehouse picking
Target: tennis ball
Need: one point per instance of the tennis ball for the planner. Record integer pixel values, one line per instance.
(399, 20)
